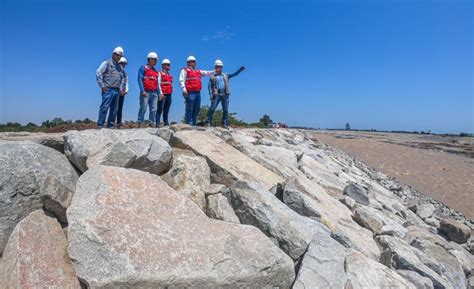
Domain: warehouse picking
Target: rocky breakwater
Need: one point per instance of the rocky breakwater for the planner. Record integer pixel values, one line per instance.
(185, 207)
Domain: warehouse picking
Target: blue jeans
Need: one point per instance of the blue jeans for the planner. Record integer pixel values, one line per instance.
(109, 104)
(193, 105)
(224, 99)
(163, 106)
(151, 99)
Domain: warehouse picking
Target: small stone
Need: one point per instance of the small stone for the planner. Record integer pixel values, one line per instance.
(425, 210)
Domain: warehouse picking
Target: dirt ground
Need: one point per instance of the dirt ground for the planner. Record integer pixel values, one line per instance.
(439, 166)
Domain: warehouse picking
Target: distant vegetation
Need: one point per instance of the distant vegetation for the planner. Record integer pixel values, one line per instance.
(58, 124)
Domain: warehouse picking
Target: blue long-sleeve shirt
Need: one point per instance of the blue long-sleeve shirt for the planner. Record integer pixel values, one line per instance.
(220, 80)
(141, 73)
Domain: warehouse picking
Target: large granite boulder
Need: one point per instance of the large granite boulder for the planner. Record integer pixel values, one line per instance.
(254, 205)
(191, 176)
(363, 272)
(322, 265)
(228, 165)
(132, 148)
(32, 176)
(128, 228)
(36, 256)
(398, 255)
(315, 201)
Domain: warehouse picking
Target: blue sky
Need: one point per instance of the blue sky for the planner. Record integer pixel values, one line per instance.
(391, 65)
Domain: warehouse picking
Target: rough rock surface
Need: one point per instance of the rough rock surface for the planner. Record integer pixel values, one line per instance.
(358, 193)
(425, 210)
(191, 176)
(36, 256)
(133, 148)
(322, 265)
(456, 231)
(218, 207)
(399, 255)
(363, 272)
(258, 207)
(416, 279)
(129, 228)
(228, 165)
(32, 177)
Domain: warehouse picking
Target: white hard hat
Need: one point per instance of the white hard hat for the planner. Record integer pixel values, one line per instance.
(191, 58)
(166, 61)
(123, 60)
(118, 50)
(152, 55)
(218, 63)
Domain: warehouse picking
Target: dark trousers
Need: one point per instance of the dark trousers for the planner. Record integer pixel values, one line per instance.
(163, 107)
(120, 107)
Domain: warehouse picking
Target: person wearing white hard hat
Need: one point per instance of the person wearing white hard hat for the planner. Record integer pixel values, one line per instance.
(149, 89)
(165, 79)
(219, 91)
(123, 61)
(111, 80)
(190, 82)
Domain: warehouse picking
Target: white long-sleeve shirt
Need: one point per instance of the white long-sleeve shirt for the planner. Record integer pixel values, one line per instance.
(183, 74)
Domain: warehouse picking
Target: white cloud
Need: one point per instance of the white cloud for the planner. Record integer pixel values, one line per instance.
(222, 35)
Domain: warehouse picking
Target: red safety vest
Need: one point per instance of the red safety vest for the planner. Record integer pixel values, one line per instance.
(150, 79)
(193, 79)
(166, 82)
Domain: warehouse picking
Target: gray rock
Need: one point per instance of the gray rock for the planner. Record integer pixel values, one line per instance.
(129, 229)
(217, 189)
(131, 148)
(52, 140)
(425, 210)
(377, 222)
(191, 176)
(36, 256)
(32, 177)
(358, 193)
(218, 207)
(363, 272)
(349, 202)
(322, 265)
(455, 230)
(398, 255)
(335, 216)
(256, 206)
(441, 261)
(298, 202)
(416, 279)
(433, 222)
(165, 133)
(470, 282)
(228, 165)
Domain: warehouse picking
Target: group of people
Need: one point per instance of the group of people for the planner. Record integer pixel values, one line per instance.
(156, 89)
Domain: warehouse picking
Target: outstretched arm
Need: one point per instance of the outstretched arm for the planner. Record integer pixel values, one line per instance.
(242, 68)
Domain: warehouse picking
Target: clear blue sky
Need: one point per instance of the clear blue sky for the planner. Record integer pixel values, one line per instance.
(395, 65)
